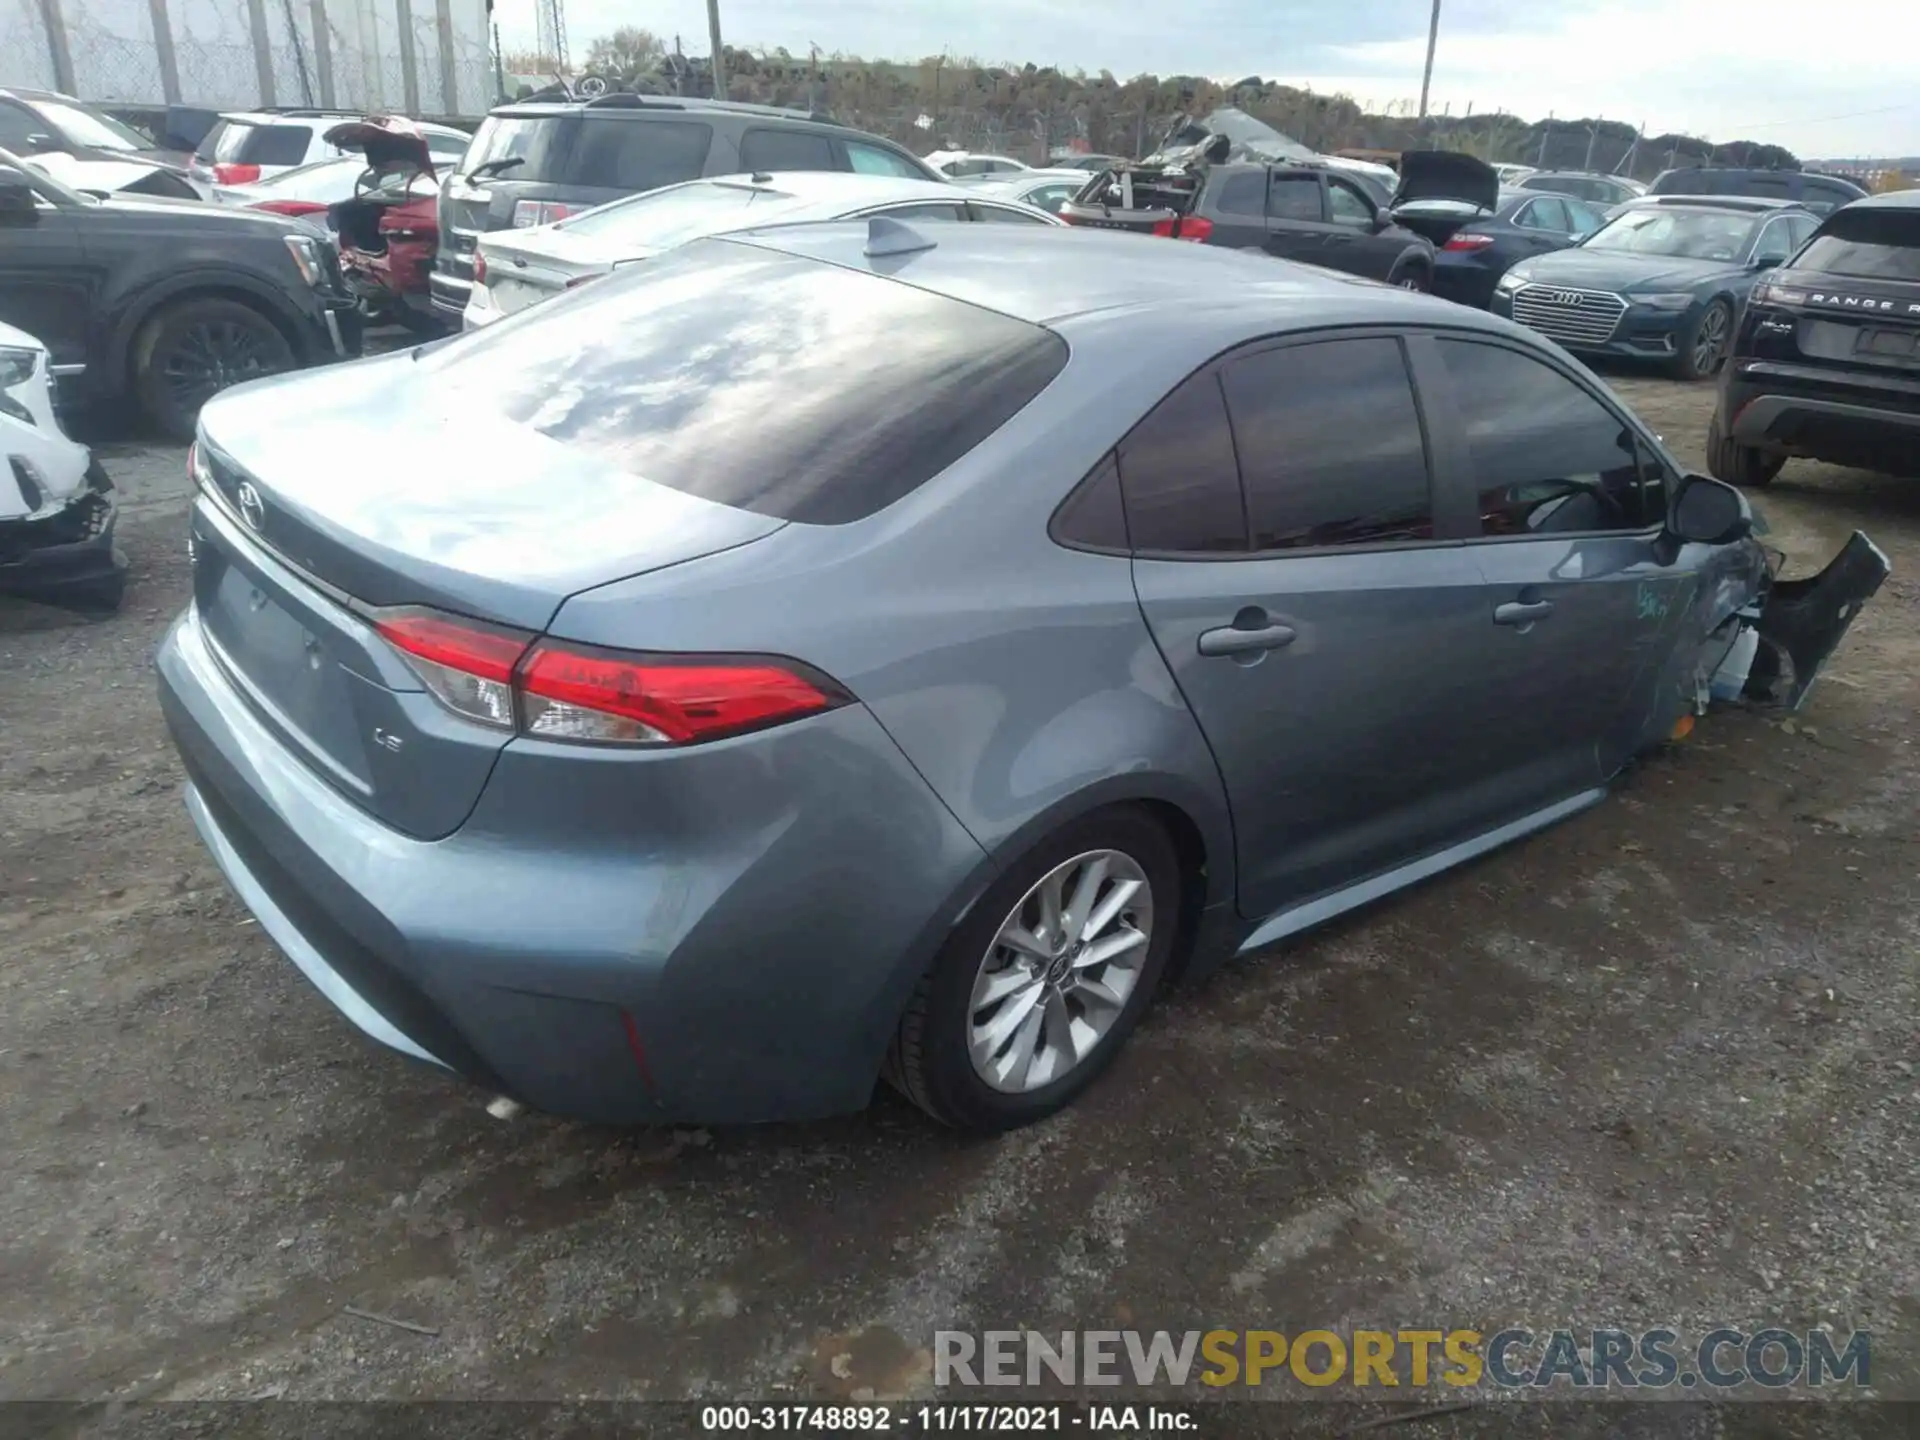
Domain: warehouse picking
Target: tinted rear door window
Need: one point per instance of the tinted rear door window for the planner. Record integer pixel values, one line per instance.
(752, 378)
(1549, 212)
(230, 143)
(772, 150)
(1244, 193)
(1330, 446)
(634, 155)
(1178, 474)
(1294, 197)
(17, 126)
(1547, 456)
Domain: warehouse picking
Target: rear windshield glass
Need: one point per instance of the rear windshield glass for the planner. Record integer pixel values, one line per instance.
(752, 378)
(667, 217)
(1870, 244)
(605, 153)
(234, 142)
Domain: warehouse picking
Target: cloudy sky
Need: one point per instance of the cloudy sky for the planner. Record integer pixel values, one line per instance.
(1833, 79)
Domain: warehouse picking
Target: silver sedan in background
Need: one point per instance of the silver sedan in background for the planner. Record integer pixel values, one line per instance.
(515, 268)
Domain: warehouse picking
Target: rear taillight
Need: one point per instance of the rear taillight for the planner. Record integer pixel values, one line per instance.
(467, 666)
(1187, 227)
(557, 691)
(288, 207)
(479, 268)
(1467, 240)
(527, 213)
(236, 174)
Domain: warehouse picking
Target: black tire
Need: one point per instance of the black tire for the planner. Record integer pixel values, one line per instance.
(1413, 275)
(1702, 347)
(929, 1061)
(194, 348)
(1742, 465)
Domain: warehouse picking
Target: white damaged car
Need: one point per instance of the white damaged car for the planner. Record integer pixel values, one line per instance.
(56, 503)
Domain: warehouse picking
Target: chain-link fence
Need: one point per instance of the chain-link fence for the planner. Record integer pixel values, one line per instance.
(420, 57)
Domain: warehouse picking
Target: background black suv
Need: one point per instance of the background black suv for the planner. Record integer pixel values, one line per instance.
(535, 162)
(1303, 210)
(1826, 363)
(167, 300)
(1822, 194)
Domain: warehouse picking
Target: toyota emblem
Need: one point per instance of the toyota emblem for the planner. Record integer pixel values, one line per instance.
(253, 509)
(1564, 297)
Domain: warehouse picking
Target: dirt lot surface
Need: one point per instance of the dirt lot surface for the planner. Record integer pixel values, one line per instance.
(1656, 1066)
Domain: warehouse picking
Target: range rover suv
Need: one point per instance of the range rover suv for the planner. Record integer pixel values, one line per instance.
(1826, 363)
(540, 161)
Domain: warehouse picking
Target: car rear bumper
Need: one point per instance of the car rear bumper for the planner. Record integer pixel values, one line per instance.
(1845, 419)
(721, 941)
(448, 293)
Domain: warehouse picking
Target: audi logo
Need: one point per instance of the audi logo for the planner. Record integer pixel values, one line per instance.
(1563, 297)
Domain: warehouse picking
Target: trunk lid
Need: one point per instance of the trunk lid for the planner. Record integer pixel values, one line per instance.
(373, 491)
(522, 273)
(1441, 192)
(388, 141)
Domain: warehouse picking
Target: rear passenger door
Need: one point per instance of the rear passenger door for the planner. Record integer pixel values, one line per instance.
(1320, 618)
(1237, 207)
(1568, 503)
(1297, 227)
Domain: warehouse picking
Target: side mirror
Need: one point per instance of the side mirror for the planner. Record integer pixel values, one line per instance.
(16, 200)
(1707, 512)
(36, 144)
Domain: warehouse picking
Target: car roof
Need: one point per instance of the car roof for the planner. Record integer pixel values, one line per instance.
(1750, 204)
(1889, 200)
(623, 103)
(832, 187)
(1051, 274)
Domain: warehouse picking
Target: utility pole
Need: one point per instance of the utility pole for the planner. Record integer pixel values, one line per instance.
(719, 59)
(1593, 134)
(1433, 38)
(1546, 131)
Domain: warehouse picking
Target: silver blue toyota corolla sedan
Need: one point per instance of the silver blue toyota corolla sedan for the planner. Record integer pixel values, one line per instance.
(861, 649)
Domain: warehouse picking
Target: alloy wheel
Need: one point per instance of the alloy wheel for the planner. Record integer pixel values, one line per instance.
(1059, 971)
(209, 356)
(1709, 346)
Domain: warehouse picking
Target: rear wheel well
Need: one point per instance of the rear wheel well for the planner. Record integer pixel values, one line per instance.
(1191, 847)
(232, 294)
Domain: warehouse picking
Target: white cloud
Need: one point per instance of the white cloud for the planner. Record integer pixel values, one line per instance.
(1831, 81)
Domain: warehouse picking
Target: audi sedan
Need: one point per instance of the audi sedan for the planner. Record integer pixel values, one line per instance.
(1664, 280)
(888, 649)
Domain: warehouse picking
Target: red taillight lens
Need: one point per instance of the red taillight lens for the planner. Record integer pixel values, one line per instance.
(505, 679)
(467, 666)
(479, 268)
(236, 174)
(528, 213)
(1467, 240)
(598, 695)
(288, 207)
(1189, 227)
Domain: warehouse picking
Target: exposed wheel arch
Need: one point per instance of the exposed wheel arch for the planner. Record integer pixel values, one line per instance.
(204, 285)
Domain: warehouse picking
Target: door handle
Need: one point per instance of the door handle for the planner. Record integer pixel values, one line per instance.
(1522, 612)
(1232, 640)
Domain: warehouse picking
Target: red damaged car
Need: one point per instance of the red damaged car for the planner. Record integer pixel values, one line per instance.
(389, 231)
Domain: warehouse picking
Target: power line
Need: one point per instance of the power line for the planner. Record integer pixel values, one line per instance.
(1819, 119)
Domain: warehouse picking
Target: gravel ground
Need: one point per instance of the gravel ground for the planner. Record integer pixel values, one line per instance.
(1655, 1066)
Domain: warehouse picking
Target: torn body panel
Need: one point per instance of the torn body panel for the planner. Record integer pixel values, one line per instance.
(1746, 636)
